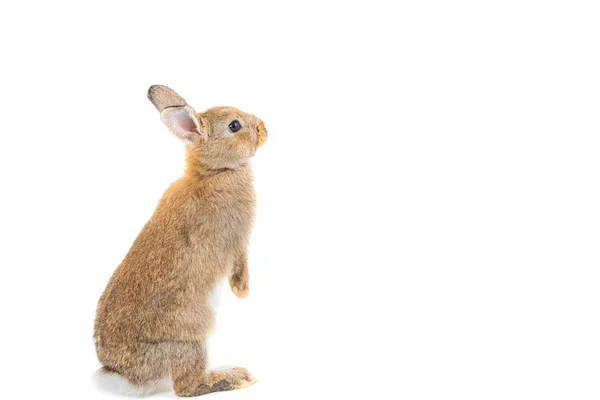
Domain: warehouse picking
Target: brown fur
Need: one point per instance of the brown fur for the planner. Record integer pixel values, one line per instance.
(153, 316)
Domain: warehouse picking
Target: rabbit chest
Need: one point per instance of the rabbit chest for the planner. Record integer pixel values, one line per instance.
(222, 216)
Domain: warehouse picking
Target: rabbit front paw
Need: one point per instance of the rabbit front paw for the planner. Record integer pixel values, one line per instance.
(239, 286)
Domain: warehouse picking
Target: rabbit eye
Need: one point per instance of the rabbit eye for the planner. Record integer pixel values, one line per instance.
(235, 126)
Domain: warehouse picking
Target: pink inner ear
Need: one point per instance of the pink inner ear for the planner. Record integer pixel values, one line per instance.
(180, 121)
(187, 123)
(183, 121)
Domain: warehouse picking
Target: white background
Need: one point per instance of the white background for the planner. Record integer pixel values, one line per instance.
(429, 207)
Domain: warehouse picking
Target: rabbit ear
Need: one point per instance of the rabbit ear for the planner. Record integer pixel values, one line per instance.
(184, 123)
(163, 97)
(180, 118)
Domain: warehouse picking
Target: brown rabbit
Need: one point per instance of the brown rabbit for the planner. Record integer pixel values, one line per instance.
(154, 315)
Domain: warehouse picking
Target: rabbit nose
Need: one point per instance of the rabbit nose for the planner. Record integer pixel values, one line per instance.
(261, 133)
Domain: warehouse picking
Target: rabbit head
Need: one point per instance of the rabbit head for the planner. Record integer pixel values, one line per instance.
(218, 138)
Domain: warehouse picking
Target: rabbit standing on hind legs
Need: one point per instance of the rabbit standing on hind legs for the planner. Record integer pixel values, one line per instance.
(154, 315)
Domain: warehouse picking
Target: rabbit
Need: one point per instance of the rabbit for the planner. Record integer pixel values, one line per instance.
(154, 315)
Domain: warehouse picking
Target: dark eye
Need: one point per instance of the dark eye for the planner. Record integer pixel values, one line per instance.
(235, 126)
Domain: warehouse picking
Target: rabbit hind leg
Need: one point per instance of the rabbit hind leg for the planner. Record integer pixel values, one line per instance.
(139, 370)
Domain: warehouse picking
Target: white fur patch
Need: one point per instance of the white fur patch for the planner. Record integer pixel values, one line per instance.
(116, 384)
(214, 299)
